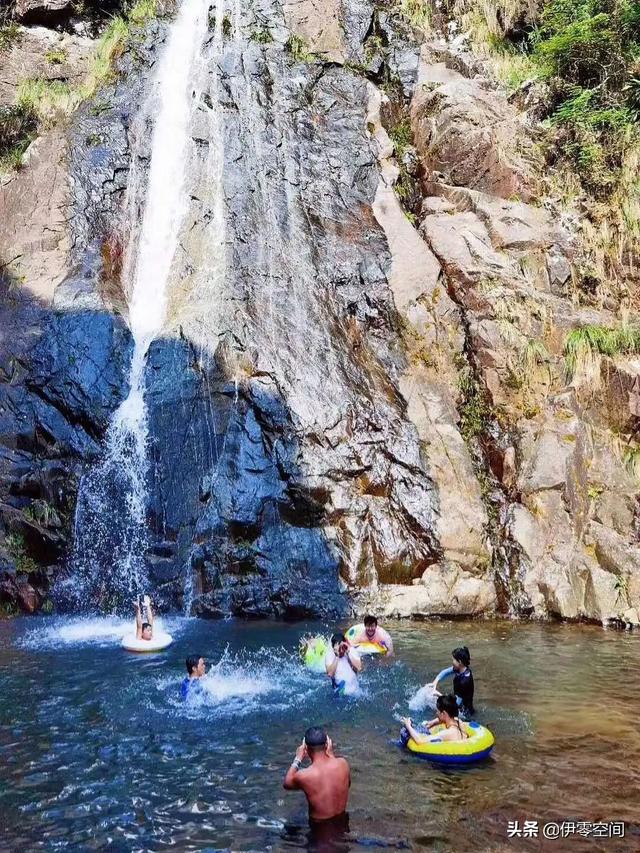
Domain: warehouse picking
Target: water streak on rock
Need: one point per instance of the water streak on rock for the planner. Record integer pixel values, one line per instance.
(110, 524)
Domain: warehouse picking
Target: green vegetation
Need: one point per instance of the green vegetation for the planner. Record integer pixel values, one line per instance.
(631, 460)
(10, 33)
(110, 48)
(588, 53)
(56, 56)
(475, 410)
(17, 131)
(585, 55)
(42, 103)
(16, 547)
(401, 136)
(262, 36)
(47, 100)
(620, 585)
(227, 26)
(297, 47)
(416, 12)
(41, 512)
(583, 347)
(142, 11)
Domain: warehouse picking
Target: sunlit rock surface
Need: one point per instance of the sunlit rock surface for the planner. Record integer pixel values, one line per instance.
(347, 407)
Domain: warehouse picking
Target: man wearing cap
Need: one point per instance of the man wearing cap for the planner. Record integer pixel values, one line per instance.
(325, 782)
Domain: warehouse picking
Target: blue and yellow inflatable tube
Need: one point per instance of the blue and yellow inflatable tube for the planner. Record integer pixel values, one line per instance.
(364, 648)
(475, 748)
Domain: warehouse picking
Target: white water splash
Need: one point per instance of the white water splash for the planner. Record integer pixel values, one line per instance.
(269, 679)
(79, 631)
(423, 698)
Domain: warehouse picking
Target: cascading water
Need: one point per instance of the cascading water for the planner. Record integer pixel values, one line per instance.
(111, 525)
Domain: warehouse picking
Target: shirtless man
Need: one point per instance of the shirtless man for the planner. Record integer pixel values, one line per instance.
(373, 633)
(325, 783)
(144, 625)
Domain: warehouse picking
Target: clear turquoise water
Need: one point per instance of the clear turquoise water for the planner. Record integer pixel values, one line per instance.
(98, 753)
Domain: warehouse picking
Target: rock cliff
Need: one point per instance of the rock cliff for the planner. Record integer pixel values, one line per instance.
(361, 396)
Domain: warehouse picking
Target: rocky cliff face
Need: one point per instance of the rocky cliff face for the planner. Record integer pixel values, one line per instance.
(360, 397)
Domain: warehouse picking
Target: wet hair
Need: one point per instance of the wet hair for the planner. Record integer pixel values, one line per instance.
(448, 704)
(336, 638)
(192, 662)
(145, 625)
(370, 620)
(462, 655)
(315, 738)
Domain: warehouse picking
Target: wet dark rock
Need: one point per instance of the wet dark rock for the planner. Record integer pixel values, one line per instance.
(42, 11)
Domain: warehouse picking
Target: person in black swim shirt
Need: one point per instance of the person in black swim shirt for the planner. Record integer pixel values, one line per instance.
(463, 686)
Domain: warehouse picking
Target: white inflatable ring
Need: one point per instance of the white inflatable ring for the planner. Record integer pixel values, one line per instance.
(160, 640)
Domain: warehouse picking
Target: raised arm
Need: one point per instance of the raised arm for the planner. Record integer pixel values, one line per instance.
(291, 781)
(354, 660)
(444, 674)
(331, 667)
(138, 620)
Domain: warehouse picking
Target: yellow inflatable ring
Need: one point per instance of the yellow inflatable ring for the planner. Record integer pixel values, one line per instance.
(476, 747)
(364, 648)
(313, 651)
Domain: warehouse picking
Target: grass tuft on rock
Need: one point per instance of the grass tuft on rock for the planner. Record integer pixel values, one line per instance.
(262, 36)
(298, 49)
(584, 347)
(17, 131)
(10, 34)
(40, 104)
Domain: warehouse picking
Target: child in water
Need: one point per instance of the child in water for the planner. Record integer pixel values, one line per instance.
(462, 682)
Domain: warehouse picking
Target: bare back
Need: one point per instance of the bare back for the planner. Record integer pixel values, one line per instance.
(326, 786)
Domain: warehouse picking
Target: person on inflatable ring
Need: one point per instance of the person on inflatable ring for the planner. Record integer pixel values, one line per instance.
(144, 618)
(447, 715)
(373, 633)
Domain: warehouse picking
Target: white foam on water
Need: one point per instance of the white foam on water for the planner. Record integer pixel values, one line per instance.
(423, 698)
(241, 684)
(86, 631)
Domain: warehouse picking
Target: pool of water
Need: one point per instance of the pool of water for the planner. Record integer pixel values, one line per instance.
(97, 752)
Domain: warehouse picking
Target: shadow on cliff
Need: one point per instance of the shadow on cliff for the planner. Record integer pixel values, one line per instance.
(230, 518)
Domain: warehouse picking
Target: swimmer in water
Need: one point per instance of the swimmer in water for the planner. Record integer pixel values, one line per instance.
(342, 664)
(447, 715)
(144, 618)
(462, 681)
(196, 668)
(325, 782)
(373, 633)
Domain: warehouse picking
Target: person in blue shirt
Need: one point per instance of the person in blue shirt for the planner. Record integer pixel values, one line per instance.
(462, 681)
(196, 667)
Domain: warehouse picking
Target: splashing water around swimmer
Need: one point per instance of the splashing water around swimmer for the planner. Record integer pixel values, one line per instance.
(423, 698)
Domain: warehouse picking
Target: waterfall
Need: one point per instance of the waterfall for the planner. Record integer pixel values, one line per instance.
(111, 534)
